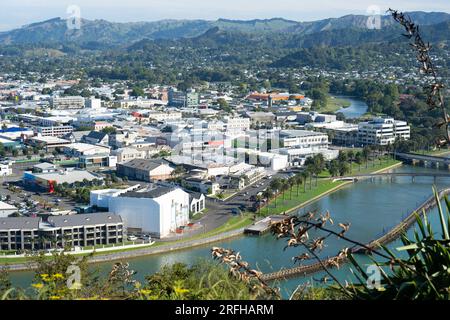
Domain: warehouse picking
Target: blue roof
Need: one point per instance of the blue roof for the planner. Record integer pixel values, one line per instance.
(14, 129)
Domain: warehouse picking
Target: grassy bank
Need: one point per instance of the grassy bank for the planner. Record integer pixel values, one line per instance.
(334, 104)
(294, 200)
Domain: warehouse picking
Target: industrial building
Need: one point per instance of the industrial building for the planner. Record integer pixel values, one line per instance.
(158, 210)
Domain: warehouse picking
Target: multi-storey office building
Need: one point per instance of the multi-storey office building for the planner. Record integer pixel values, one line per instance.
(54, 131)
(68, 102)
(383, 131)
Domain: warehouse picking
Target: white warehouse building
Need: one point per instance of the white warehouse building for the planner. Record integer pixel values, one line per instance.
(159, 211)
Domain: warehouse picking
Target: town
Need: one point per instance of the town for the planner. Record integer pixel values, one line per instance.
(161, 163)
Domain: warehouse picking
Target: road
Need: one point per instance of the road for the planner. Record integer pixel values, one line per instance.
(219, 212)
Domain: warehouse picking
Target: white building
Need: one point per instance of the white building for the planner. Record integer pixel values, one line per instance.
(159, 211)
(303, 139)
(68, 103)
(383, 131)
(237, 124)
(54, 131)
(5, 169)
(164, 116)
(127, 154)
(93, 103)
(6, 209)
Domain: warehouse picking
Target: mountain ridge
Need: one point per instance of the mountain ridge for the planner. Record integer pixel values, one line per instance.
(122, 33)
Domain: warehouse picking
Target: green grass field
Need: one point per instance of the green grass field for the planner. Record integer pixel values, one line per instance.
(334, 104)
(324, 185)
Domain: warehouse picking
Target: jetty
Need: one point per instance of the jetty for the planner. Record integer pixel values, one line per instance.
(264, 225)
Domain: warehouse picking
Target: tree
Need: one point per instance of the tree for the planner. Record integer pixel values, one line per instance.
(284, 187)
(333, 168)
(268, 194)
(359, 159)
(366, 154)
(298, 181)
(137, 92)
(275, 186)
(344, 168)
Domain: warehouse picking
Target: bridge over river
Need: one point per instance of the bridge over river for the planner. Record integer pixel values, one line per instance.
(415, 158)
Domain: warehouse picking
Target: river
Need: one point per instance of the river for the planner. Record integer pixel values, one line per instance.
(369, 205)
(356, 109)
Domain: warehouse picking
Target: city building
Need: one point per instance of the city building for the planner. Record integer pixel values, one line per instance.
(97, 138)
(5, 169)
(48, 143)
(200, 185)
(158, 210)
(127, 154)
(164, 116)
(19, 233)
(68, 102)
(54, 131)
(197, 202)
(82, 230)
(145, 169)
(47, 181)
(383, 131)
(6, 209)
(303, 139)
(181, 99)
(44, 167)
(93, 103)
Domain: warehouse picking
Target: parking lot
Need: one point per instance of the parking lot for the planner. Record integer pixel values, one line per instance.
(30, 202)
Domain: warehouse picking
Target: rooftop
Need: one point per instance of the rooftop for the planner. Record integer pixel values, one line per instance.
(19, 223)
(66, 176)
(84, 219)
(300, 133)
(145, 164)
(151, 194)
(6, 206)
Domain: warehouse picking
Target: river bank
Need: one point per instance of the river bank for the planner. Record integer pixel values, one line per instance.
(385, 239)
(229, 231)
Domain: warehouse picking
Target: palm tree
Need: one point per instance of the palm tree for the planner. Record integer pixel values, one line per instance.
(298, 181)
(310, 171)
(359, 159)
(275, 186)
(304, 176)
(350, 155)
(268, 194)
(333, 168)
(284, 186)
(291, 183)
(365, 154)
(319, 165)
(258, 199)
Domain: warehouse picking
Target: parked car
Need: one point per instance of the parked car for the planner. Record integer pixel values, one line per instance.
(132, 238)
(145, 237)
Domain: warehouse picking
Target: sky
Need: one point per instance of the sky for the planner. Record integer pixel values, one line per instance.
(16, 13)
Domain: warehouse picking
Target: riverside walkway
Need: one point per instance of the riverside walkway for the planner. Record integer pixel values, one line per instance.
(390, 236)
(434, 175)
(155, 249)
